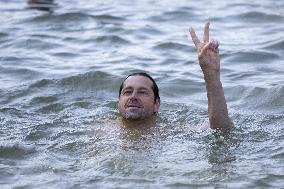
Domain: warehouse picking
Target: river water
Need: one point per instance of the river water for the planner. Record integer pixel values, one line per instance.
(61, 68)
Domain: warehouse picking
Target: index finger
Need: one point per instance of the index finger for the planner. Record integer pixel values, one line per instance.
(194, 37)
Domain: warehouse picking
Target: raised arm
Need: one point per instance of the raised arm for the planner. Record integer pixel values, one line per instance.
(209, 60)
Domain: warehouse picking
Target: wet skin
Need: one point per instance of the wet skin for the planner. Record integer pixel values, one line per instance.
(137, 101)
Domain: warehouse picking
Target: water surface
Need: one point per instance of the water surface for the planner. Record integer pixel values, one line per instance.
(61, 65)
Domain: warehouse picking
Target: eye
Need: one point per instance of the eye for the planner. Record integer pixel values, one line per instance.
(143, 92)
(127, 92)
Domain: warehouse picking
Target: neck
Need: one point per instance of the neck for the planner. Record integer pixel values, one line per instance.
(140, 123)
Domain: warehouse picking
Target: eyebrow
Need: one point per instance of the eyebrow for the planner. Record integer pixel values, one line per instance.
(127, 88)
(140, 88)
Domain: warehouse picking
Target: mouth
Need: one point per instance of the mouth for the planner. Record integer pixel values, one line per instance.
(133, 106)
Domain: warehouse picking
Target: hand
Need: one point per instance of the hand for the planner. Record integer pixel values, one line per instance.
(208, 52)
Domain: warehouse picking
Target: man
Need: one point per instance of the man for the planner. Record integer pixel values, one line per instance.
(139, 95)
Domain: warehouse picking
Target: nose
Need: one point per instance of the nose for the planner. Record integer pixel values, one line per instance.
(134, 94)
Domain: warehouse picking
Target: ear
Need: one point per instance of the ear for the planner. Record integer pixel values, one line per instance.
(157, 105)
(118, 105)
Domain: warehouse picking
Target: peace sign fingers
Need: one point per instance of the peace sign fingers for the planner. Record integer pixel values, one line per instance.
(206, 32)
(195, 39)
(198, 44)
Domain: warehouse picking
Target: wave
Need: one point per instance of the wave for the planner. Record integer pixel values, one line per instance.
(172, 46)
(257, 99)
(95, 79)
(23, 73)
(106, 18)
(55, 95)
(111, 39)
(59, 18)
(92, 78)
(256, 17)
(3, 35)
(275, 45)
(182, 15)
(258, 56)
(74, 17)
(15, 151)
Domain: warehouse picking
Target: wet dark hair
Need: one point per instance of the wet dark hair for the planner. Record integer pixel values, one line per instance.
(154, 86)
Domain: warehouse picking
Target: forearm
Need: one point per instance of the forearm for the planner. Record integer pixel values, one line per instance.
(217, 107)
(209, 61)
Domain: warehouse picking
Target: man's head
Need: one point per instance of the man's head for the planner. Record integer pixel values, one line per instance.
(138, 97)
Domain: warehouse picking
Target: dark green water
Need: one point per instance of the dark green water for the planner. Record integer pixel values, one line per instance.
(60, 71)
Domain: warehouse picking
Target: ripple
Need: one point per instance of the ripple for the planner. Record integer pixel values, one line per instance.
(270, 99)
(81, 104)
(16, 76)
(65, 55)
(49, 95)
(62, 22)
(150, 30)
(269, 180)
(260, 17)
(3, 35)
(41, 83)
(15, 151)
(14, 111)
(112, 39)
(37, 44)
(52, 108)
(278, 154)
(73, 18)
(253, 56)
(106, 18)
(44, 99)
(276, 45)
(92, 78)
(39, 131)
(173, 16)
(240, 76)
(23, 73)
(60, 18)
(172, 46)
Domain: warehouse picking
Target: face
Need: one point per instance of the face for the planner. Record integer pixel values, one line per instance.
(137, 99)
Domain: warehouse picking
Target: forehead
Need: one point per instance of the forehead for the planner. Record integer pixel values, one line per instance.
(138, 81)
